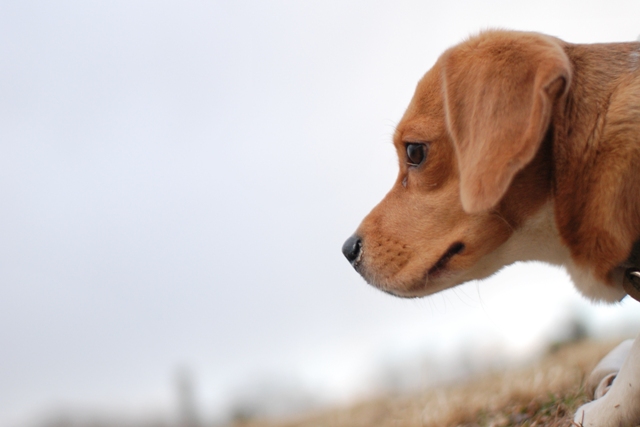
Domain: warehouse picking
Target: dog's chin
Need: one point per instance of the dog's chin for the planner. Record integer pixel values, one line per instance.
(405, 287)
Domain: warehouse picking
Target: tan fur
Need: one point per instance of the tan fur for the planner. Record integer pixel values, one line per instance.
(514, 122)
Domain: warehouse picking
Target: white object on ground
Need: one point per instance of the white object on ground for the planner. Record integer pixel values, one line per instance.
(606, 370)
(618, 403)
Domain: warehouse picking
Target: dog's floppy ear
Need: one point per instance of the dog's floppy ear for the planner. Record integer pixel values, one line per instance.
(499, 94)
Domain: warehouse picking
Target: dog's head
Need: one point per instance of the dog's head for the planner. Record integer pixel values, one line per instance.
(473, 164)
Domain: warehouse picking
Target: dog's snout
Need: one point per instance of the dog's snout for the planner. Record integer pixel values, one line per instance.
(352, 248)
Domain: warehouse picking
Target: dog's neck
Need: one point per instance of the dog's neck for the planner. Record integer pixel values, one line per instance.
(595, 149)
(538, 239)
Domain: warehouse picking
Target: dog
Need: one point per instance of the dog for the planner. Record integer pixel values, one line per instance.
(515, 146)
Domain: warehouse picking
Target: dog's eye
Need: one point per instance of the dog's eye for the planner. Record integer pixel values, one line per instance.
(416, 153)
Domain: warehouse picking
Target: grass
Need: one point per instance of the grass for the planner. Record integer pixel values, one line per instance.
(546, 393)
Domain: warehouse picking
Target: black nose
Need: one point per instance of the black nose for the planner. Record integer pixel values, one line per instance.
(352, 247)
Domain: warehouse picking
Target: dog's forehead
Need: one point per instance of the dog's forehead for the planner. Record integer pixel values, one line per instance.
(424, 117)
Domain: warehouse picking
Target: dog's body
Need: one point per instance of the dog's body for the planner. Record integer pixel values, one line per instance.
(515, 146)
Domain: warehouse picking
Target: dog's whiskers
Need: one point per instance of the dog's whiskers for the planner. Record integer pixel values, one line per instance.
(497, 214)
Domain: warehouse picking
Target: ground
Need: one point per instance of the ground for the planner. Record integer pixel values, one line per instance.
(545, 393)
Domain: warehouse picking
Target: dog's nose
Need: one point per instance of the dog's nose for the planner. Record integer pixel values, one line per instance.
(352, 247)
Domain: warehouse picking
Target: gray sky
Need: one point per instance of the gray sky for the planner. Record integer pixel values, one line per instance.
(178, 178)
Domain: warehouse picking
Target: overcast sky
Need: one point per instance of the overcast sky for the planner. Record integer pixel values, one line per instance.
(177, 179)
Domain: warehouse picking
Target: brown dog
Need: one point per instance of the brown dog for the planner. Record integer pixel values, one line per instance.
(516, 146)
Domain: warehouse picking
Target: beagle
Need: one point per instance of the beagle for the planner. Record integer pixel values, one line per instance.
(516, 146)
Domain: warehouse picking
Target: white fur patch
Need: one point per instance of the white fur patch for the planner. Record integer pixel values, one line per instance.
(592, 288)
(538, 240)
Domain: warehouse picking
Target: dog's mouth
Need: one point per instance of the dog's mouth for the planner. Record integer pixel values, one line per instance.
(441, 264)
(424, 285)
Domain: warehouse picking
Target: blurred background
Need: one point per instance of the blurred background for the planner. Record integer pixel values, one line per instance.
(177, 179)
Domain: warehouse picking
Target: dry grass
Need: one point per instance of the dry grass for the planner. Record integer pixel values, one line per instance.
(544, 394)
